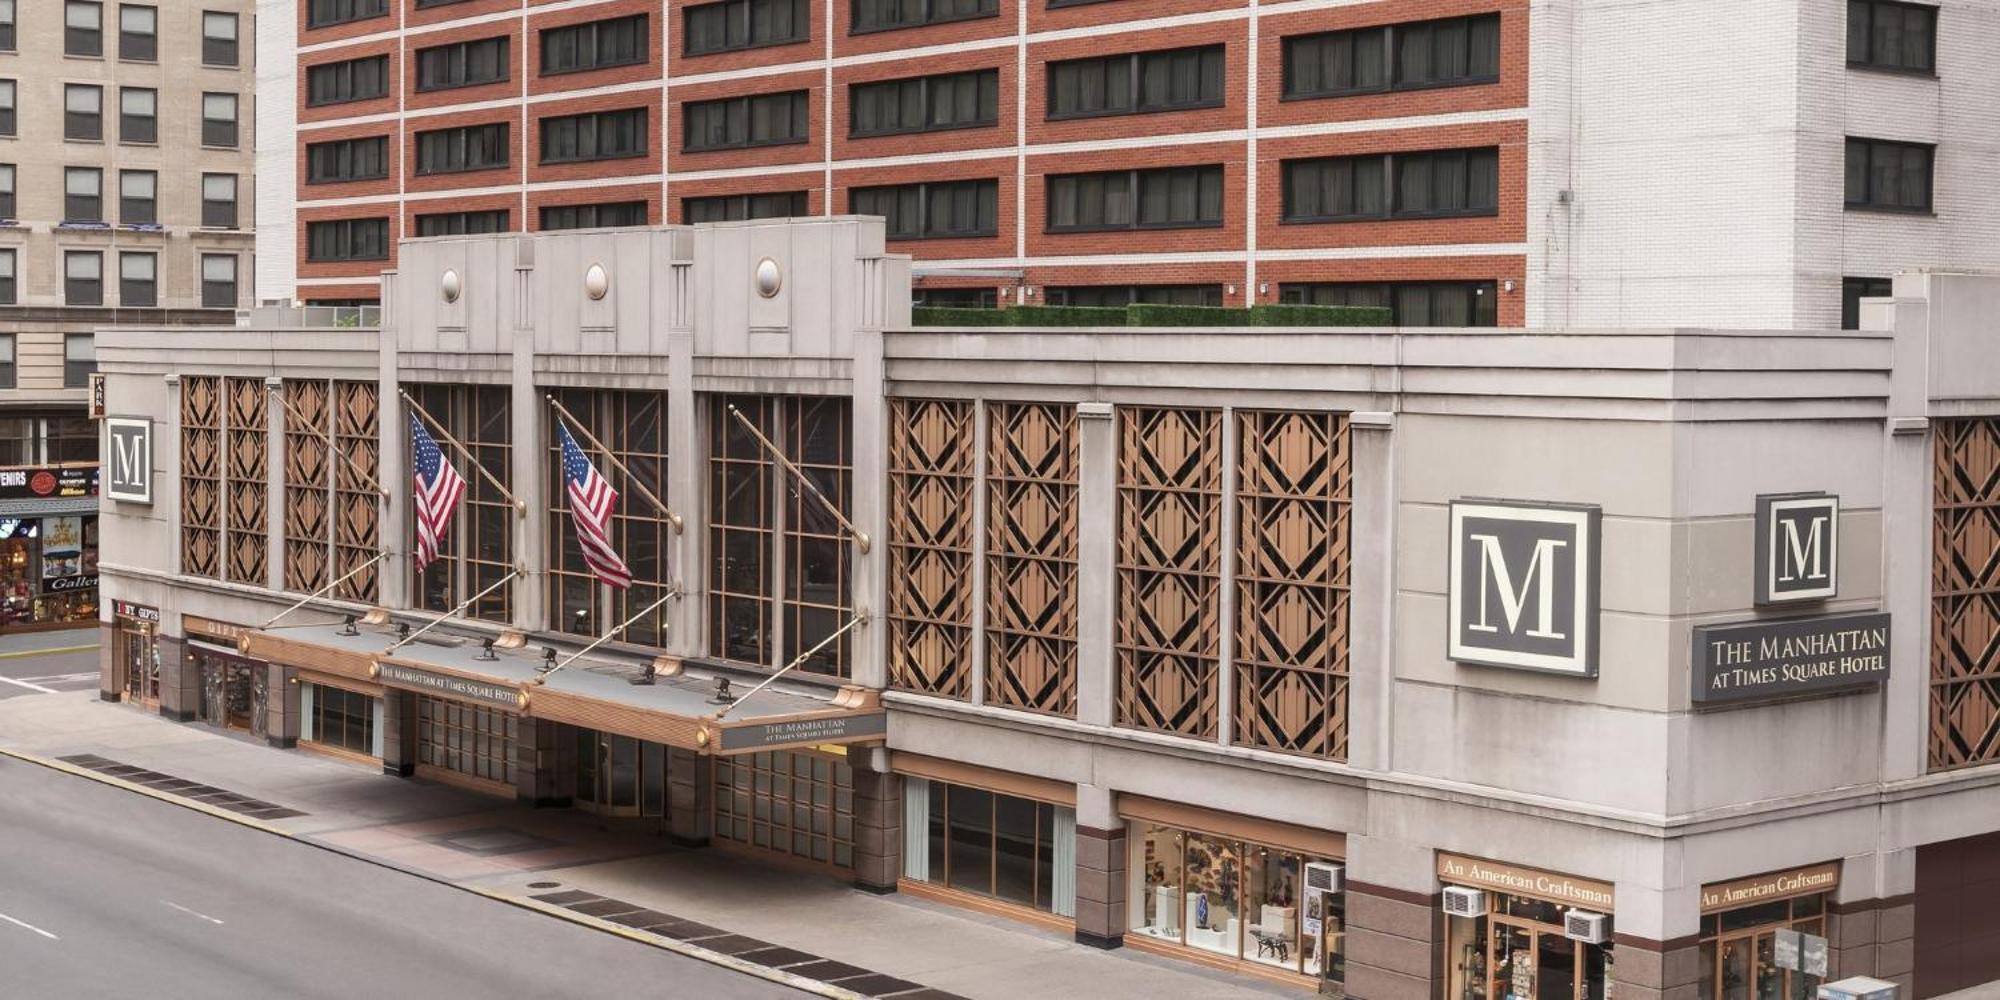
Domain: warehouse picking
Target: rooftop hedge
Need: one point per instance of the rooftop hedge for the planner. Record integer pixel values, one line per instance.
(1147, 315)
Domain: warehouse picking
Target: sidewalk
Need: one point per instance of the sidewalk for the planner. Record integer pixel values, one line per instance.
(876, 945)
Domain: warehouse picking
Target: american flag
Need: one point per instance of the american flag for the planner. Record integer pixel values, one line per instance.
(590, 500)
(439, 487)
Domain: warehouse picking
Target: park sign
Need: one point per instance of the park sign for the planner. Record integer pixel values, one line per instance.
(1774, 659)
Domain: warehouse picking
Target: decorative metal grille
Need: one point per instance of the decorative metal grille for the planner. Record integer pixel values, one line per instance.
(1169, 569)
(248, 485)
(1965, 595)
(634, 426)
(1031, 557)
(357, 525)
(1293, 497)
(201, 476)
(931, 468)
(307, 500)
(479, 549)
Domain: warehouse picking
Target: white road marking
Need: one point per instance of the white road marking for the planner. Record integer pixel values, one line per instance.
(62, 678)
(193, 913)
(29, 926)
(32, 687)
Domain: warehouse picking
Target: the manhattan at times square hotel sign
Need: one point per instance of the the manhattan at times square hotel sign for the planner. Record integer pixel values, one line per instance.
(1524, 581)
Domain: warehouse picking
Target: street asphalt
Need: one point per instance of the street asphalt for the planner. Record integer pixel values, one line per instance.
(108, 893)
(41, 662)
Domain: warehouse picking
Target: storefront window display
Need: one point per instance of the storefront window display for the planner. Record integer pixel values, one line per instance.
(797, 803)
(340, 719)
(1013, 849)
(469, 740)
(1511, 945)
(48, 570)
(1742, 924)
(1235, 898)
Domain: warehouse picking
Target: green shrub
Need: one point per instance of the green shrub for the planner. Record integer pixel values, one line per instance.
(959, 316)
(1143, 314)
(1067, 315)
(1294, 315)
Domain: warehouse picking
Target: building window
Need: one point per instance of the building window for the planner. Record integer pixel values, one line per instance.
(1450, 52)
(1119, 296)
(1016, 850)
(462, 64)
(1173, 80)
(746, 24)
(218, 39)
(73, 439)
(83, 28)
(83, 195)
(758, 614)
(740, 122)
(1853, 290)
(349, 80)
(1430, 184)
(80, 349)
(7, 123)
(633, 425)
(1242, 900)
(480, 551)
(925, 103)
(1883, 34)
(138, 32)
(884, 15)
(218, 120)
(604, 215)
(320, 13)
(138, 197)
(956, 298)
(1410, 303)
(942, 210)
(7, 42)
(463, 223)
(466, 148)
(9, 277)
(347, 239)
(1171, 198)
(218, 281)
(339, 718)
(600, 135)
(138, 115)
(1889, 176)
(801, 804)
(83, 112)
(741, 207)
(138, 280)
(575, 48)
(14, 444)
(466, 739)
(6, 191)
(347, 160)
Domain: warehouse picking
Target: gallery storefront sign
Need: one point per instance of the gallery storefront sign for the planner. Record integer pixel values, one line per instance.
(1523, 585)
(1789, 656)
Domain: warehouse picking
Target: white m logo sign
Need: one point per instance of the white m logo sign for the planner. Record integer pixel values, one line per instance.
(1523, 586)
(1496, 580)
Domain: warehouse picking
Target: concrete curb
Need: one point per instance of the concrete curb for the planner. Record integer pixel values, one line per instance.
(682, 948)
(46, 651)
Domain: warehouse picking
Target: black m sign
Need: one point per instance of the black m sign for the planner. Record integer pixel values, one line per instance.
(1524, 581)
(128, 459)
(1798, 547)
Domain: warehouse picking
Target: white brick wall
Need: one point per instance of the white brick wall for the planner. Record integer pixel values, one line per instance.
(277, 154)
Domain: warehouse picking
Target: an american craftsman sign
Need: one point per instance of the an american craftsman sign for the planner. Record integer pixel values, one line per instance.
(409, 678)
(1523, 589)
(1790, 656)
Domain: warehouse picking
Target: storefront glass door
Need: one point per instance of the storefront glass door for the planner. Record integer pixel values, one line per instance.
(618, 775)
(1530, 961)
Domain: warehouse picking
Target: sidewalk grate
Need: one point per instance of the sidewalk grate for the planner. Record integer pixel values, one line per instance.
(749, 949)
(207, 794)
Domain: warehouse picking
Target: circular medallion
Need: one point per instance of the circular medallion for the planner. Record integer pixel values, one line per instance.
(769, 278)
(450, 285)
(596, 282)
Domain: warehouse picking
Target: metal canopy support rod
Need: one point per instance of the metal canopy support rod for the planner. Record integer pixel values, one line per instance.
(277, 390)
(462, 605)
(668, 512)
(801, 658)
(315, 595)
(606, 637)
(860, 537)
(519, 507)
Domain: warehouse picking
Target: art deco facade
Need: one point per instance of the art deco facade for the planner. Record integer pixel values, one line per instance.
(1157, 637)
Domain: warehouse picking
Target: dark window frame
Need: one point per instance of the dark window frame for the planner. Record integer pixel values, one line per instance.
(8, 41)
(1476, 290)
(138, 46)
(801, 15)
(458, 63)
(77, 371)
(1392, 194)
(214, 214)
(576, 211)
(1138, 294)
(343, 154)
(460, 145)
(598, 119)
(926, 90)
(131, 209)
(213, 294)
(10, 358)
(222, 52)
(75, 122)
(9, 123)
(986, 9)
(81, 291)
(349, 93)
(83, 43)
(1870, 59)
(10, 277)
(1390, 37)
(210, 127)
(1853, 289)
(1135, 70)
(148, 134)
(749, 204)
(924, 191)
(345, 235)
(1135, 189)
(799, 112)
(343, 11)
(1873, 200)
(8, 202)
(596, 30)
(128, 286)
(459, 223)
(83, 207)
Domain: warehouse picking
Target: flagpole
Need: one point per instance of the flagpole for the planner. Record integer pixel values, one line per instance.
(606, 637)
(462, 605)
(309, 598)
(331, 445)
(672, 518)
(519, 507)
(801, 658)
(860, 537)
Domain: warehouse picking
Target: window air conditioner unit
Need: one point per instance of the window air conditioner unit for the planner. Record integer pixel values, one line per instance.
(1589, 928)
(1322, 876)
(1460, 902)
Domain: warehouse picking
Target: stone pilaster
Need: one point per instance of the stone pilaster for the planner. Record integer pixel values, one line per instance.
(281, 706)
(1392, 942)
(109, 679)
(536, 756)
(1644, 969)
(878, 827)
(690, 792)
(180, 681)
(1100, 886)
(399, 733)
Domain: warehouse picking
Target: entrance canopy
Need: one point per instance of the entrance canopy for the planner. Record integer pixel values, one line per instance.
(679, 710)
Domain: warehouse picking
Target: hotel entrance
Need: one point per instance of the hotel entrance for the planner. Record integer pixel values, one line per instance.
(620, 775)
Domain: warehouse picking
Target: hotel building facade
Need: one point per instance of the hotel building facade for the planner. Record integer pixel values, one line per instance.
(1464, 162)
(1400, 663)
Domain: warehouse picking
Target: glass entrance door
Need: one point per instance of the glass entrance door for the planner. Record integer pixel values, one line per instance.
(1534, 961)
(620, 775)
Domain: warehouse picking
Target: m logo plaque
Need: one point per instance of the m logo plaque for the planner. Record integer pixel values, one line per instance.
(1798, 547)
(1524, 580)
(128, 459)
